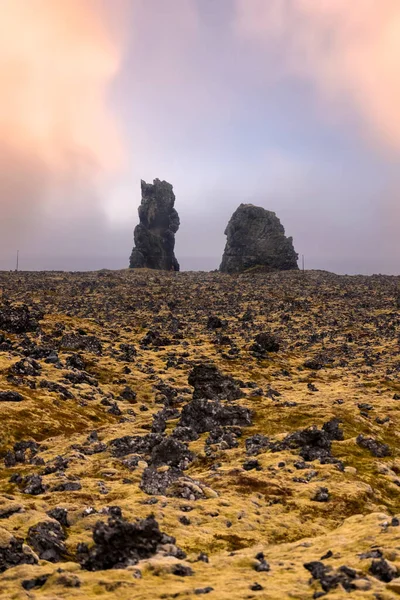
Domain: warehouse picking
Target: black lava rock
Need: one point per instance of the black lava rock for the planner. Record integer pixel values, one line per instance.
(118, 544)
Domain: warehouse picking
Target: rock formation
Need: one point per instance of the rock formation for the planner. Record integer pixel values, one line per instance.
(255, 237)
(155, 235)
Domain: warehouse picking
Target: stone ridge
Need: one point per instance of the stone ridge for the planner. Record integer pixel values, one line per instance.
(256, 238)
(154, 236)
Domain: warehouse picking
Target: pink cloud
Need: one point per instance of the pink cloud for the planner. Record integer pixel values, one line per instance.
(349, 51)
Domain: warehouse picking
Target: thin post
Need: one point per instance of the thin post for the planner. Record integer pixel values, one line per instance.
(17, 260)
(302, 262)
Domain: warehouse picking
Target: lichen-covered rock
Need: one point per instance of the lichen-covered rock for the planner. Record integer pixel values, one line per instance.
(256, 238)
(155, 235)
(19, 318)
(203, 415)
(14, 552)
(118, 544)
(47, 539)
(209, 382)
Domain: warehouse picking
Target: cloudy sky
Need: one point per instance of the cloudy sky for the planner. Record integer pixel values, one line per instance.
(289, 104)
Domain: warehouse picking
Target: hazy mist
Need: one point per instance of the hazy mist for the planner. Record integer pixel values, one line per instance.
(230, 101)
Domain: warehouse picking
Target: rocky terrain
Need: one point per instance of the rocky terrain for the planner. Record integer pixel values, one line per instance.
(155, 234)
(256, 239)
(180, 435)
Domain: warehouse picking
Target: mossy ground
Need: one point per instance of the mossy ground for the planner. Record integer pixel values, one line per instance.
(353, 322)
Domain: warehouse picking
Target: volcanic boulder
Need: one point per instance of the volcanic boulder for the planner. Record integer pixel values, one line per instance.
(155, 235)
(256, 238)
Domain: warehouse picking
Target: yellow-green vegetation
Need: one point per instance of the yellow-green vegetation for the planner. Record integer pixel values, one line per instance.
(348, 327)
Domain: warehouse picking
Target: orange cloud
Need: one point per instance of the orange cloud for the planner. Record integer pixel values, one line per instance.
(57, 58)
(350, 51)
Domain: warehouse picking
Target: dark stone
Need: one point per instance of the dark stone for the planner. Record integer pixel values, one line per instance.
(119, 544)
(225, 437)
(314, 443)
(9, 396)
(332, 428)
(26, 366)
(67, 486)
(173, 453)
(128, 352)
(135, 444)
(315, 364)
(185, 434)
(59, 464)
(75, 361)
(264, 343)
(32, 484)
(382, 570)
(47, 539)
(155, 483)
(209, 382)
(77, 341)
(256, 587)
(19, 319)
(182, 570)
(155, 339)
(214, 322)
(257, 444)
(60, 515)
(170, 483)
(376, 448)
(114, 410)
(322, 495)
(23, 451)
(15, 554)
(256, 238)
(202, 415)
(330, 579)
(155, 235)
(249, 465)
(79, 377)
(37, 582)
(53, 386)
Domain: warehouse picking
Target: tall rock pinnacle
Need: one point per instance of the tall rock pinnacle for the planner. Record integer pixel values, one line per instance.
(256, 237)
(155, 235)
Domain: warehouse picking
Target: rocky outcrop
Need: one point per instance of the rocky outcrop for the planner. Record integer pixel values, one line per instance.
(256, 238)
(155, 235)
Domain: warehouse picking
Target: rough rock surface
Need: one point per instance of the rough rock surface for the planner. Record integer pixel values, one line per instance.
(256, 238)
(118, 544)
(155, 235)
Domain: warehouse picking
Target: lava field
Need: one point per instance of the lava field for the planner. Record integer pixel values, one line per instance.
(179, 435)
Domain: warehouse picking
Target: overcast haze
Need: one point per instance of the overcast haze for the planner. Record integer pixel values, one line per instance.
(292, 105)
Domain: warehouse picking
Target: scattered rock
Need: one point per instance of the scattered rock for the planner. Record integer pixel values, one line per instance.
(376, 448)
(210, 383)
(135, 444)
(37, 582)
(76, 341)
(9, 396)
(47, 539)
(207, 415)
(13, 552)
(383, 570)
(173, 453)
(264, 343)
(119, 544)
(19, 318)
